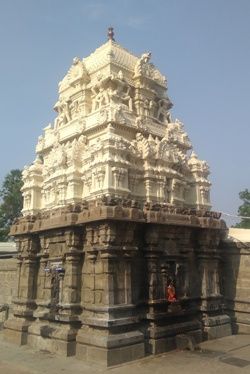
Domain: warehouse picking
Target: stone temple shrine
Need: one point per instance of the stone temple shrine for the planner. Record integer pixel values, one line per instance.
(118, 250)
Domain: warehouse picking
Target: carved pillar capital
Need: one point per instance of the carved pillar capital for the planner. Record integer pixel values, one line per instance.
(73, 239)
(28, 246)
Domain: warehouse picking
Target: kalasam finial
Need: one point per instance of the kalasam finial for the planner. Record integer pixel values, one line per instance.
(111, 33)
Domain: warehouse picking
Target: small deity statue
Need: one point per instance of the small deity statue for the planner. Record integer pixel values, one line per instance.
(120, 75)
(101, 99)
(100, 95)
(64, 112)
(163, 113)
(145, 57)
(142, 62)
(122, 93)
(77, 70)
(170, 292)
(128, 99)
(74, 108)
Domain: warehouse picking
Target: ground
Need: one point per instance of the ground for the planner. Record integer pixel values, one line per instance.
(230, 354)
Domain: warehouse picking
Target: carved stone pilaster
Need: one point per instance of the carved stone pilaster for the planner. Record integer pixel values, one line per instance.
(184, 263)
(27, 262)
(215, 322)
(209, 270)
(43, 292)
(108, 319)
(24, 303)
(152, 254)
(69, 304)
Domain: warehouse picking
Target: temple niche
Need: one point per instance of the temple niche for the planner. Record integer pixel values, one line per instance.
(118, 249)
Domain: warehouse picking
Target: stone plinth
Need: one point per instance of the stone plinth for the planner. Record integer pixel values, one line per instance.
(92, 280)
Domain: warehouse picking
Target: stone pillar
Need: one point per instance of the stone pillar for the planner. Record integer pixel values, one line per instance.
(216, 323)
(58, 293)
(71, 293)
(152, 254)
(161, 191)
(156, 302)
(109, 323)
(43, 292)
(138, 101)
(24, 304)
(184, 264)
(149, 188)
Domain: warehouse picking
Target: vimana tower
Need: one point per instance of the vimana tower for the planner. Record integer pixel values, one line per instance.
(118, 251)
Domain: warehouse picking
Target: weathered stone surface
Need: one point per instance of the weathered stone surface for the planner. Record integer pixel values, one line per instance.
(16, 331)
(236, 278)
(99, 288)
(52, 337)
(184, 341)
(8, 268)
(217, 327)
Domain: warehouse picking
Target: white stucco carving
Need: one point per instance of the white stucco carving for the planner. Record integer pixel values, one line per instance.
(114, 135)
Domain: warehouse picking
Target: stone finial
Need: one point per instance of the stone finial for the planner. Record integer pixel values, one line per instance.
(111, 33)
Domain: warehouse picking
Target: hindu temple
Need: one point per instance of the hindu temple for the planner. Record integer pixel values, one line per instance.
(118, 249)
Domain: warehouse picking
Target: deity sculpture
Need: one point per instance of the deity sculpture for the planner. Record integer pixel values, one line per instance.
(170, 292)
(163, 113)
(64, 112)
(142, 62)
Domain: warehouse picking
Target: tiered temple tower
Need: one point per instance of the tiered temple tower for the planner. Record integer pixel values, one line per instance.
(114, 136)
(116, 208)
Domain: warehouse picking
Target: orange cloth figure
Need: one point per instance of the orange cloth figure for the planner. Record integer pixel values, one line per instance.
(171, 296)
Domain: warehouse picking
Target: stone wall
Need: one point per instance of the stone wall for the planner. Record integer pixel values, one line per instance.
(93, 280)
(236, 278)
(8, 279)
(128, 282)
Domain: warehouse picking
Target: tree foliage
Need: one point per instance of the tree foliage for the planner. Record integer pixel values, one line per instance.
(244, 209)
(11, 201)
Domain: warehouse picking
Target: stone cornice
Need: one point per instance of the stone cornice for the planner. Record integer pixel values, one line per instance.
(126, 210)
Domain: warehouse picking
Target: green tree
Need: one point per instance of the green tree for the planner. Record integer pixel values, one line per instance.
(11, 201)
(244, 209)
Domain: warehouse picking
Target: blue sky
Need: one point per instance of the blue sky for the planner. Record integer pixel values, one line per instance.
(202, 46)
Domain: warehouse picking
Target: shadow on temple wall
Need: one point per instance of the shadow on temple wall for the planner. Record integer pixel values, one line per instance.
(234, 281)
